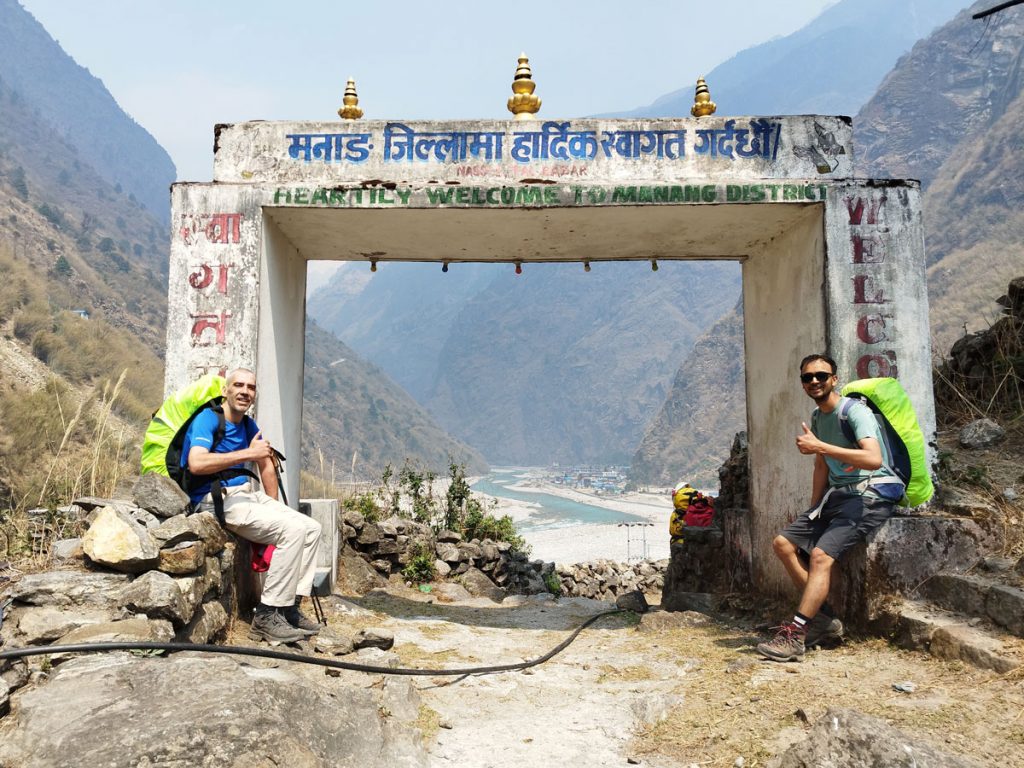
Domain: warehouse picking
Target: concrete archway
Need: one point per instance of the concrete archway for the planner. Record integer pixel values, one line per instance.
(828, 261)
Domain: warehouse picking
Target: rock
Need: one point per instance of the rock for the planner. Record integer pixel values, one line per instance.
(960, 501)
(277, 717)
(64, 588)
(469, 551)
(209, 531)
(353, 519)
(158, 596)
(214, 575)
(375, 657)
(159, 495)
(381, 566)
(385, 546)
(14, 672)
(1010, 494)
(657, 621)
(186, 557)
(632, 601)
(447, 552)
(44, 624)
(449, 537)
(91, 503)
(332, 643)
(1004, 604)
(136, 630)
(175, 530)
(478, 585)
(981, 433)
(389, 528)
(5, 697)
(849, 738)
(373, 638)
(369, 535)
(115, 540)
(66, 549)
(208, 622)
(442, 568)
(147, 520)
(356, 576)
(450, 592)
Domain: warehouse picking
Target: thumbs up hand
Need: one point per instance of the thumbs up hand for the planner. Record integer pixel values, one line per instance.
(806, 442)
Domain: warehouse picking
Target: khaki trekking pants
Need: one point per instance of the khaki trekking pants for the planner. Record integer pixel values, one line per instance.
(258, 518)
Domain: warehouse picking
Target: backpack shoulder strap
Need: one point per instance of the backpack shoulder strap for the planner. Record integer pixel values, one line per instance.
(845, 404)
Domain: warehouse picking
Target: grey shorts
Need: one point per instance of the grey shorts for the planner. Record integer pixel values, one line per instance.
(846, 519)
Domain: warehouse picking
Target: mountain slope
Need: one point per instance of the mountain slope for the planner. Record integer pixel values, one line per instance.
(561, 365)
(705, 404)
(829, 67)
(80, 109)
(950, 114)
(357, 420)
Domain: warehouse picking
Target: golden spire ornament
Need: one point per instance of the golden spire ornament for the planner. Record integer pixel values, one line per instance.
(350, 109)
(702, 103)
(523, 104)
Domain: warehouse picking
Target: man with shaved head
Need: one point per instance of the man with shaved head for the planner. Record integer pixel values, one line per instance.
(255, 513)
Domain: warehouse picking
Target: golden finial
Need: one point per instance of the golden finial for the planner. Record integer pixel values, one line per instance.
(523, 104)
(350, 110)
(702, 103)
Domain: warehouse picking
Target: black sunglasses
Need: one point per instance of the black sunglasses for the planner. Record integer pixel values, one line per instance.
(819, 376)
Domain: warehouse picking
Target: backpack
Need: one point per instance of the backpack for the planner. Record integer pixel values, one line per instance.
(700, 511)
(165, 437)
(904, 440)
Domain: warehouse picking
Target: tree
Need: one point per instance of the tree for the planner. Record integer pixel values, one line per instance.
(19, 183)
(62, 266)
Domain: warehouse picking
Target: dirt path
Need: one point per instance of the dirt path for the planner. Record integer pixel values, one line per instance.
(673, 691)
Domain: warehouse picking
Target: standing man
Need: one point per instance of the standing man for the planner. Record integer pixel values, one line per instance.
(852, 494)
(255, 515)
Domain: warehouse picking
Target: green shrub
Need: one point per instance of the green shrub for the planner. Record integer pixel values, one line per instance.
(366, 505)
(553, 584)
(420, 568)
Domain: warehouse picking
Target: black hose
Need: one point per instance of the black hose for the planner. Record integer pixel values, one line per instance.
(232, 650)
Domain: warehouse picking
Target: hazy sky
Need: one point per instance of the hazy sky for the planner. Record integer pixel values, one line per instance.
(180, 66)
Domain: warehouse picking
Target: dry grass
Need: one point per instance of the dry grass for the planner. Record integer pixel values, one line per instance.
(737, 705)
(57, 447)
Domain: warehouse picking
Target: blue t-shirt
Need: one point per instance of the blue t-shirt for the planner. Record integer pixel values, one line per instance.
(236, 437)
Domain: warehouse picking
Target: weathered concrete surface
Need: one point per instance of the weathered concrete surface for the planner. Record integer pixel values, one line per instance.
(509, 150)
(201, 711)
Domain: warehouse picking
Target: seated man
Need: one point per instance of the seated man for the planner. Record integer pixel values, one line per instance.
(853, 492)
(255, 515)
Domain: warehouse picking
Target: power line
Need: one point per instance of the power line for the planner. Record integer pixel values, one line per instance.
(997, 9)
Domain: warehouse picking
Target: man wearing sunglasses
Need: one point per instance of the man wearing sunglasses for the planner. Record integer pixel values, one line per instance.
(853, 493)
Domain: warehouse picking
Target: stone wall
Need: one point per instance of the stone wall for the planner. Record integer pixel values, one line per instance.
(389, 546)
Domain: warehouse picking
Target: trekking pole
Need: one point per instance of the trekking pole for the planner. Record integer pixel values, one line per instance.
(278, 457)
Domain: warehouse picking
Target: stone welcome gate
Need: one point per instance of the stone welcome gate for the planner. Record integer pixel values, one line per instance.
(828, 261)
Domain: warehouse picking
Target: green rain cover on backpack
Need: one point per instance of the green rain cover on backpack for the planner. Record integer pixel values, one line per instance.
(892, 407)
(161, 448)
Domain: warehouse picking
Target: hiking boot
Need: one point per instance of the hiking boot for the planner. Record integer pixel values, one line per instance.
(823, 629)
(300, 621)
(271, 626)
(787, 645)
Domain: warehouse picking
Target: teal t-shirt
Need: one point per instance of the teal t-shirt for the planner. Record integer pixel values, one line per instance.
(826, 428)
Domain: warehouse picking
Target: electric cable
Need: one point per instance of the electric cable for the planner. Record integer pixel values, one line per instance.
(233, 650)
